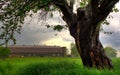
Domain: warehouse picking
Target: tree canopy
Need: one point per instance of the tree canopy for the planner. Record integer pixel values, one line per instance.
(4, 52)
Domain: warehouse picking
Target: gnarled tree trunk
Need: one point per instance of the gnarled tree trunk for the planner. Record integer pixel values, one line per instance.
(89, 45)
(84, 27)
(86, 35)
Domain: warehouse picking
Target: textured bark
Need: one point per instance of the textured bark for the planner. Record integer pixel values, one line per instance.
(84, 27)
(89, 46)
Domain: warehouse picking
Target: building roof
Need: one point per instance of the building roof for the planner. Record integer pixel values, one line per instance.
(31, 46)
(34, 49)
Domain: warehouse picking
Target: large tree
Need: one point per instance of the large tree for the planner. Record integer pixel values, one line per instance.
(84, 26)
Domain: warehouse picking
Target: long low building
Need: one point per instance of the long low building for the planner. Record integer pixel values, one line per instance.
(25, 50)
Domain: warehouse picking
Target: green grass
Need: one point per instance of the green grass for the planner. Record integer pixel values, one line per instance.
(52, 66)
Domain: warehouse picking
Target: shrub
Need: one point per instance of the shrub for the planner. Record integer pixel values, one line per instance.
(4, 52)
(111, 52)
(5, 68)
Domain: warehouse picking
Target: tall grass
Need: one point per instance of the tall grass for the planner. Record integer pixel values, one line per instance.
(52, 66)
(4, 68)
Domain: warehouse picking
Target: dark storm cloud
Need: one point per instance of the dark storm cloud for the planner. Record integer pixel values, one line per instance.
(34, 36)
(112, 40)
(35, 32)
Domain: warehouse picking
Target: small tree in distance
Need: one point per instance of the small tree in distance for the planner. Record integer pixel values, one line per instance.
(110, 52)
(74, 51)
(4, 52)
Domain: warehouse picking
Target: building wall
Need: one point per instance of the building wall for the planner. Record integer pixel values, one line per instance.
(37, 50)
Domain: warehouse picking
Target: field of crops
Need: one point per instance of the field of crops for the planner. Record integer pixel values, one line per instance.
(52, 66)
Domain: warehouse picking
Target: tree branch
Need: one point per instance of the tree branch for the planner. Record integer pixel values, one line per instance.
(102, 8)
(94, 5)
(45, 5)
(32, 4)
(71, 4)
(107, 4)
(65, 9)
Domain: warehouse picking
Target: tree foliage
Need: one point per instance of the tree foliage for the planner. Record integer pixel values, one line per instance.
(4, 52)
(74, 51)
(111, 52)
(12, 14)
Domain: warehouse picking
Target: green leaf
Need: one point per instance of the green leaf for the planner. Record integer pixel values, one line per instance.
(106, 22)
(48, 26)
(115, 9)
(82, 4)
(58, 27)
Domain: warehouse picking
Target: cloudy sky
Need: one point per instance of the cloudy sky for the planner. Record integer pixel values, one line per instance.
(114, 39)
(34, 33)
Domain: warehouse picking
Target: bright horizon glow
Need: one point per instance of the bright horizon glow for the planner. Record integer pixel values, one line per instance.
(58, 42)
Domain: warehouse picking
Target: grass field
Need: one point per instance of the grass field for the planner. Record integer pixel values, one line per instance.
(52, 66)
